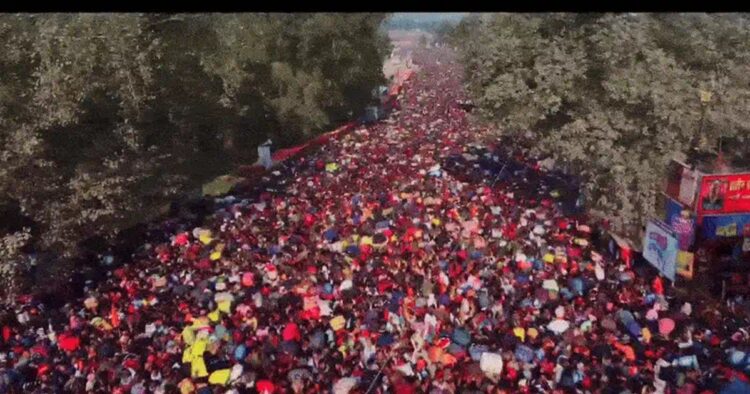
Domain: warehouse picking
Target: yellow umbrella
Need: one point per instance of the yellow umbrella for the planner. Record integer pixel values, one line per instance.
(205, 237)
(338, 322)
(220, 377)
(225, 306)
(214, 316)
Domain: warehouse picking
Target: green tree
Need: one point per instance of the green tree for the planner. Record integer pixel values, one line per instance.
(613, 96)
(106, 118)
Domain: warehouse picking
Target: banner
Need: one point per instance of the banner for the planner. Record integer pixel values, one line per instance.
(660, 248)
(684, 228)
(684, 265)
(725, 226)
(688, 184)
(722, 194)
(673, 208)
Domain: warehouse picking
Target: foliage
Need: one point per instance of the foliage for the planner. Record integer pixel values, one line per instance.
(612, 95)
(105, 118)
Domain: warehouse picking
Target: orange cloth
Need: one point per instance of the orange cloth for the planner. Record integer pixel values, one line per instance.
(628, 351)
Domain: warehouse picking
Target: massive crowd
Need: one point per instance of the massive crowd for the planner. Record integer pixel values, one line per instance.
(374, 269)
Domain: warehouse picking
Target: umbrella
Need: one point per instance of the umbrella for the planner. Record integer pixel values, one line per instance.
(475, 351)
(634, 328)
(491, 364)
(386, 340)
(461, 337)
(558, 326)
(608, 324)
(736, 386)
(344, 385)
(524, 353)
(550, 284)
(666, 325)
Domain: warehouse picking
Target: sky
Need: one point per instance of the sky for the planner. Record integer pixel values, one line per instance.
(430, 16)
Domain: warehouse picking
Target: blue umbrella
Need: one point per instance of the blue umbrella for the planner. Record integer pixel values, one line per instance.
(524, 353)
(461, 336)
(353, 250)
(386, 340)
(634, 328)
(330, 235)
(240, 352)
(475, 351)
(318, 339)
(576, 284)
(736, 387)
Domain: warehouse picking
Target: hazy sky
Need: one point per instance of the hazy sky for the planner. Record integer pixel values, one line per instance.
(429, 16)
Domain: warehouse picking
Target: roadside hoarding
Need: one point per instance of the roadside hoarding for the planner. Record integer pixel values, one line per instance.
(682, 183)
(660, 248)
(688, 186)
(724, 194)
(725, 226)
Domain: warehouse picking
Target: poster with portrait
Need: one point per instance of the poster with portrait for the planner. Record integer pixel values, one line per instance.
(725, 194)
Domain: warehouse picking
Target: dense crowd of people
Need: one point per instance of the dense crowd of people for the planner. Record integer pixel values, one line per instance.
(374, 269)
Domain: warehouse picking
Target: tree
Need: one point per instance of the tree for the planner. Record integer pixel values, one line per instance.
(106, 118)
(612, 95)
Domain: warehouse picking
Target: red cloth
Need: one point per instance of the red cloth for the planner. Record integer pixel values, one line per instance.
(291, 332)
(68, 342)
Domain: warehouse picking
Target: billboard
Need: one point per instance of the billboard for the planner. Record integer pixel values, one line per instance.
(688, 186)
(660, 248)
(725, 226)
(724, 194)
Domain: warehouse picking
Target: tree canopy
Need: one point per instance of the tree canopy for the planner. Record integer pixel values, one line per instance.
(613, 95)
(104, 118)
